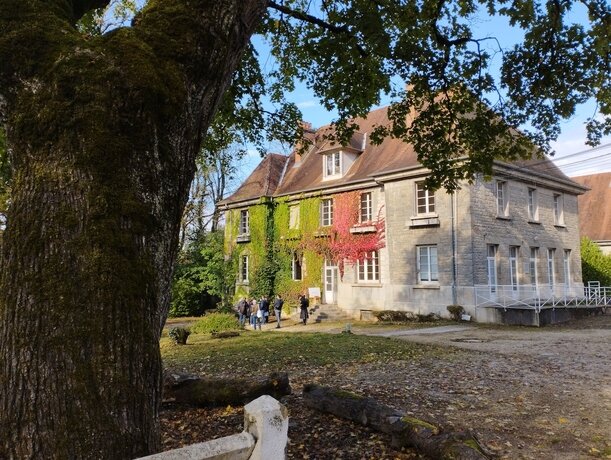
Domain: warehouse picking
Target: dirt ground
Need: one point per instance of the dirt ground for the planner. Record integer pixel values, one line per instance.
(526, 393)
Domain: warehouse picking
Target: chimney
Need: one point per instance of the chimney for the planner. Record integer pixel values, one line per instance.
(300, 146)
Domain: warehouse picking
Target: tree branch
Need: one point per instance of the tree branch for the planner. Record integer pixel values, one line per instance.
(300, 15)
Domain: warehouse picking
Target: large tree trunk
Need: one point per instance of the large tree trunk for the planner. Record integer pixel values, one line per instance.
(103, 135)
(215, 391)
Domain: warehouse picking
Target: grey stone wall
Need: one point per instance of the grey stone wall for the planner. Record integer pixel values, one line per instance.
(477, 226)
(518, 230)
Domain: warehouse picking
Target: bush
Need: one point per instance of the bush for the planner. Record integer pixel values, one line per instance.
(456, 311)
(179, 335)
(392, 316)
(428, 318)
(596, 266)
(216, 322)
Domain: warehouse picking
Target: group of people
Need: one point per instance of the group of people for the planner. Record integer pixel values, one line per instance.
(256, 313)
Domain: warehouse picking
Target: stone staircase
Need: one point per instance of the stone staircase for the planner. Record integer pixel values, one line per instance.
(327, 312)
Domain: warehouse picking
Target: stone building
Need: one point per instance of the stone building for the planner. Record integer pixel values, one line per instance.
(493, 243)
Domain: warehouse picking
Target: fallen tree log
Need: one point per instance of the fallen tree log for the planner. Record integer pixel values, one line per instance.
(211, 391)
(425, 437)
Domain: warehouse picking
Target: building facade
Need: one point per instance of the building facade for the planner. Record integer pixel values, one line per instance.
(358, 225)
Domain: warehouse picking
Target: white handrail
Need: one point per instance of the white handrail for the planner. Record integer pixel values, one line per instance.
(541, 296)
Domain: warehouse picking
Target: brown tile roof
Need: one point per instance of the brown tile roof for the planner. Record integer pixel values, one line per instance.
(262, 181)
(595, 206)
(391, 155)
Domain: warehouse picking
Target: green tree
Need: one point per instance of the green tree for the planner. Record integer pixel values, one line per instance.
(595, 265)
(104, 127)
(203, 277)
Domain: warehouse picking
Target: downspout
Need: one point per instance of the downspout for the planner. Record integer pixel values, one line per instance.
(454, 254)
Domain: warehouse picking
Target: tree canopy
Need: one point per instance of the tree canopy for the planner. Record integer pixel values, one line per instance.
(466, 107)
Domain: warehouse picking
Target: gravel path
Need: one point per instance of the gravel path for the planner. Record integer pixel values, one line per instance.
(531, 393)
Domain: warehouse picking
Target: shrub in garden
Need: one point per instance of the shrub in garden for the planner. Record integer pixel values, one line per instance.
(428, 318)
(392, 316)
(216, 322)
(456, 311)
(179, 335)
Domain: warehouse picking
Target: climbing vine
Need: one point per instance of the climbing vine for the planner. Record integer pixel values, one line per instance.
(347, 240)
(273, 244)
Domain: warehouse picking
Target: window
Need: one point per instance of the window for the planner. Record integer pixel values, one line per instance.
(366, 207)
(502, 202)
(492, 271)
(369, 268)
(244, 229)
(534, 255)
(244, 269)
(567, 267)
(332, 164)
(428, 270)
(513, 267)
(551, 270)
(326, 212)
(533, 205)
(294, 217)
(425, 200)
(297, 267)
(558, 209)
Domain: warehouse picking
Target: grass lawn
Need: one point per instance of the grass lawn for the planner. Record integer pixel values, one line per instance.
(252, 351)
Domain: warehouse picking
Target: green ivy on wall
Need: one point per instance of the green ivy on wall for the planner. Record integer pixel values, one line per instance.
(273, 243)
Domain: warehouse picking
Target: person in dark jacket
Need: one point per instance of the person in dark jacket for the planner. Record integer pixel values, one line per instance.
(304, 304)
(278, 309)
(242, 310)
(264, 307)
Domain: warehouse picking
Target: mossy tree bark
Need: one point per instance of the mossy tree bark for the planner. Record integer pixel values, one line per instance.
(103, 134)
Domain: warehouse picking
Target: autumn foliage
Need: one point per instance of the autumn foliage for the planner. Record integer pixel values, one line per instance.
(347, 240)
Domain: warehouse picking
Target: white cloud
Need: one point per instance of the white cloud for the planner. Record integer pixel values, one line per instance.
(307, 104)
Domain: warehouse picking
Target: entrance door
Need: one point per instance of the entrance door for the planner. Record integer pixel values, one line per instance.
(330, 276)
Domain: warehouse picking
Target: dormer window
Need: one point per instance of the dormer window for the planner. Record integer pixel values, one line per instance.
(332, 165)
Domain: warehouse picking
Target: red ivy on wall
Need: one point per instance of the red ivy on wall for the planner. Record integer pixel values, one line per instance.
(342, 242)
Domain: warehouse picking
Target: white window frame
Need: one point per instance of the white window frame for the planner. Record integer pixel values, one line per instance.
(551, 267)
(533, 204)
(244, 269)
(332, 165)
(502, 198)
(534, 256)
(425, 200)
(244, 222)
(429, 273)
(294, 216)
(297, 267)
(514, 274)
(326, 212)
(491, 262)
(567, 267)
(368, 269)
(366, 207)
(558, 207)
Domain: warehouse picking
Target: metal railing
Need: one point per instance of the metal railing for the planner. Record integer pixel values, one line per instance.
(541, 296)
